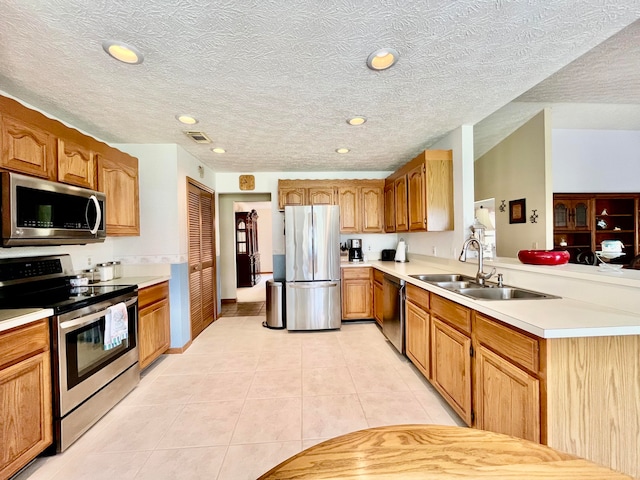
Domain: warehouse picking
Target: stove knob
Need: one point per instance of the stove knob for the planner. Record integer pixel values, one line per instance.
(19, 231)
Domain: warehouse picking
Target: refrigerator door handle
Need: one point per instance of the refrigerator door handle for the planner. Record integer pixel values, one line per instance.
(313, 285)
(313, 243)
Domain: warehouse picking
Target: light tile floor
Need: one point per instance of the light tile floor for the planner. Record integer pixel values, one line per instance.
(242, 399)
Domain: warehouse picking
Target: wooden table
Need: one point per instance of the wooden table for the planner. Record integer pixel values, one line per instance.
(435, 452)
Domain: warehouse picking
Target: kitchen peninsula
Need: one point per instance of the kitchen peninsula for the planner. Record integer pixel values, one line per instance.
(568, 367)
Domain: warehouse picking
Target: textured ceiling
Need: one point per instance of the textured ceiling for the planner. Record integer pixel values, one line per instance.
(600, 90)
(273, 82)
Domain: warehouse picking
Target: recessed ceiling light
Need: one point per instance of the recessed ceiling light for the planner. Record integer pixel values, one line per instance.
(187, 119)
(359, 120)
(218, 150)
(342, 150)
(123, 52)
(382, 59)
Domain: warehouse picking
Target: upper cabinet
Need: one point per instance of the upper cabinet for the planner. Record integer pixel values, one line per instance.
(27, 148)
(38, 146)
(118, 180)
(361, 202)
(423, 199)
(76, 165)
(389, 207)
(572, 213)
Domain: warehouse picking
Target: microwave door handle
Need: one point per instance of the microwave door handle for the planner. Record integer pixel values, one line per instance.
(95, 228)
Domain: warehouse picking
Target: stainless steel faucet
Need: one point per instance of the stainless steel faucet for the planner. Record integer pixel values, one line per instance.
(480, 276)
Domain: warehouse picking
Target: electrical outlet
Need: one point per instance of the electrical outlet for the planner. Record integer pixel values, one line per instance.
(89, 263)
(434, 251)
(369, 248)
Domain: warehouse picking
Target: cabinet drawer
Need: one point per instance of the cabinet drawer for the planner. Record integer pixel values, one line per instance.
(23, 342)
(355, 273)
(153, 294)
(452, 313)
(515, 346)
(378, 276)
(418, 296)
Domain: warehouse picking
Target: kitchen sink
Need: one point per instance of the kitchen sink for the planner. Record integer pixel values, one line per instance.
(502, 293)
(442, 277)
(466, 285)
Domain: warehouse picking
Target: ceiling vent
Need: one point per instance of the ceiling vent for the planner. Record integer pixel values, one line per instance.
(198, 137)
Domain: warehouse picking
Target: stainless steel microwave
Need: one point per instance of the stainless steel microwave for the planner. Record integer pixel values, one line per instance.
(40, 212)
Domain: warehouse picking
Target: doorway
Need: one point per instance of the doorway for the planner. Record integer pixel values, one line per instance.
(245, 298)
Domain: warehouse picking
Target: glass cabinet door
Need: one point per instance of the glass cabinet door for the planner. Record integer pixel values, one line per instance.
(581, 215)
(561, 215)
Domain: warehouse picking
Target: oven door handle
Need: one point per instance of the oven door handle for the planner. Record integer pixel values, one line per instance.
(87, 319)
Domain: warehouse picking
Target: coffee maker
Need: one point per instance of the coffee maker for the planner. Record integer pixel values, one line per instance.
(355, 250)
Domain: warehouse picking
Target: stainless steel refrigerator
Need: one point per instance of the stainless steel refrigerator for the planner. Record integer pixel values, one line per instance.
(312, 252)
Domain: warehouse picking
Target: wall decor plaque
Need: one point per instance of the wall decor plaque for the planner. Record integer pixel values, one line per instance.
(247, 182)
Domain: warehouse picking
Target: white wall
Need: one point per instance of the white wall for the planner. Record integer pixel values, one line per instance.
(447, 244)
(520, 167)
(596, 161)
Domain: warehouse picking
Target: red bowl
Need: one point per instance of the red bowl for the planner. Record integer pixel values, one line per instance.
(543, 257)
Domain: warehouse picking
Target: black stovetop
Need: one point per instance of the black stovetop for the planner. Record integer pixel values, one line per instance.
(43, 282)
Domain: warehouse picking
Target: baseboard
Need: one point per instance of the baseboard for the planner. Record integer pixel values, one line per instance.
(226, 301)
(178, 350)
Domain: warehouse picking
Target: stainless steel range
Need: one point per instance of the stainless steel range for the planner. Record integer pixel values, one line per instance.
(89, 375)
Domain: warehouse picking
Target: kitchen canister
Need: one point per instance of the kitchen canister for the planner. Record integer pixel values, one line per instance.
(79, 280)
(105, 271)
(117, 269)
(91, 274)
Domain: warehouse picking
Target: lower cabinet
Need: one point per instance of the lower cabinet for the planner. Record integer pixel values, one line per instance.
(507, 379)
(418, 326)
(378, 297)
(25, 392)
(488, 372)
(154, 335)
(451, 367)
(507, 397)
(357, 293)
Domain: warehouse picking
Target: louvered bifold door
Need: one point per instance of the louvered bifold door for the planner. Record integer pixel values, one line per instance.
(195, 263)
(206, 257)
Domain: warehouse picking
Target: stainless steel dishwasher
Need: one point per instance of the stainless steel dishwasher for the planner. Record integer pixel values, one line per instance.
(393, 311)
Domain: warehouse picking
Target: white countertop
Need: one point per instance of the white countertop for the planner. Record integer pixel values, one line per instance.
(546, 318)
(141, 282)
(17, 317)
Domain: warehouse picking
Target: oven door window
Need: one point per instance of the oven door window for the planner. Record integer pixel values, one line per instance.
(86, 353)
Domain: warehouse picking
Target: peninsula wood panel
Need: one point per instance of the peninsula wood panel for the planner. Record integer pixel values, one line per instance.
(593, 385)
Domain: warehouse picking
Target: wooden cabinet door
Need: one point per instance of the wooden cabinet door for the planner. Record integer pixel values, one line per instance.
(27, 424)
(418, 337)
(118, 180)
(349, 209)
(572, 214)
(389, 207)
(402, 213)
(321, 196)
(416, 199)
(507, 399)
(357, 292)
(451, 366)
(153, 332)
(292, 197)
(372, 209)
(76, 165)
(27, 149)
(378, 302)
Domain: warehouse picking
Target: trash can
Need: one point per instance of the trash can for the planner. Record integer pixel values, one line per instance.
(275, 305)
